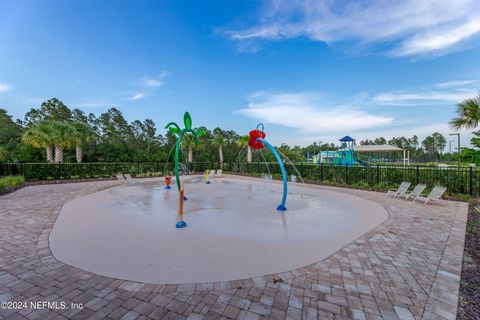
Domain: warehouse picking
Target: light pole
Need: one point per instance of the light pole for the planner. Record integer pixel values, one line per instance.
(458, 149)
(450, 146)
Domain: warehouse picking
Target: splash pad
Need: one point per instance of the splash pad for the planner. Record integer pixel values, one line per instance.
(234, 231)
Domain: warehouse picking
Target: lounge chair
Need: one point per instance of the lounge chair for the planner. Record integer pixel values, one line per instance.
(219, 173)
(121, 178)
(417, 191)
(128, 179)
(434, 195)
(400, 191)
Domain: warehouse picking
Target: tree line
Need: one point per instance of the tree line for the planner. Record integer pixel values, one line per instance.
(54, 132)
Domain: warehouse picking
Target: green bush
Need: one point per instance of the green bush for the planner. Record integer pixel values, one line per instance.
(10, 182)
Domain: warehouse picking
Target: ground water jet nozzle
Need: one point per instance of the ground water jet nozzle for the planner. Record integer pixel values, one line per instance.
(257, 141)
(168, 180)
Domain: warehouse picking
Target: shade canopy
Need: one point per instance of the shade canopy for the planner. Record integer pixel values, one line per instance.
(376, 148)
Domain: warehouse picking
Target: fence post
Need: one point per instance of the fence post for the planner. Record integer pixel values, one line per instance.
(471, 180)
(417, 174)
(321, 172)
(91, 170)
(377, 176)
(346, 173)
(58, 170)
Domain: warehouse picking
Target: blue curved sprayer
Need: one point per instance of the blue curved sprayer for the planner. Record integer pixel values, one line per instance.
(257, 141)
(281, 207)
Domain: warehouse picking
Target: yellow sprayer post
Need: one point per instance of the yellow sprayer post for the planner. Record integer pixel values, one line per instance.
(206, 176)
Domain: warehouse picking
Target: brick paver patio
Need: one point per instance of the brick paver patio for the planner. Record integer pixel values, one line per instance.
(407, 268)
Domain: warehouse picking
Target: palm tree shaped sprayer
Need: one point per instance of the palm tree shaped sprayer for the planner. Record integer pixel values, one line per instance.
(175, 129)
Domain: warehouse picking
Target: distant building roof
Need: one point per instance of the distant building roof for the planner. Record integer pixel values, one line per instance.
(346, 138)
(376, 148)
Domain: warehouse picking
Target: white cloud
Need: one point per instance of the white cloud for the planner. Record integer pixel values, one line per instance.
(149, 82)
(408, 28)
(308, 113)
(154, 82)
(4, 87)
(451, 92)
(138, 96)
(459, 83)
(438, 40)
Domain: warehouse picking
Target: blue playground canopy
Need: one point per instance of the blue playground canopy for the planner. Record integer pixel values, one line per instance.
(346, 139)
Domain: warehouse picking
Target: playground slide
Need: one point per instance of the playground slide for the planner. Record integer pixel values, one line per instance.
(363, 163)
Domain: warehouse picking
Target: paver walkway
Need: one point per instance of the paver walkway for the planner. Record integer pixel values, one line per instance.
(407, 268)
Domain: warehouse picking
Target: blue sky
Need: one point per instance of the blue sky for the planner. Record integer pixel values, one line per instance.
(310, 71)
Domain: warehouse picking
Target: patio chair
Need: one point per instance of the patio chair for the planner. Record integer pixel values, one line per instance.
(434, 195)
(128, 179)
(121, 178)
(417, 191)
(401, 189)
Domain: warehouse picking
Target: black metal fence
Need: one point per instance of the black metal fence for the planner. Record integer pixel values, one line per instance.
(464, 180)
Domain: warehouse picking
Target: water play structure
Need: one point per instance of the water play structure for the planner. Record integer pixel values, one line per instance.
(257, 141)
(175, 129)
(349, 153)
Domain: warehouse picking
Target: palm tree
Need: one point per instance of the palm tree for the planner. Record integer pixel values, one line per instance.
(82, 136)
(468, 114)
(190, 143)
(63, 137)
(242, 143)
(219, 141)
(41, 135)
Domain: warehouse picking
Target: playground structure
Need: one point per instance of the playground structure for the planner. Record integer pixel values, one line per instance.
(351, 154)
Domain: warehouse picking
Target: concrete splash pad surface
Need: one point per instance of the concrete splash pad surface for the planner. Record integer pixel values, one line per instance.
(234, 231)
